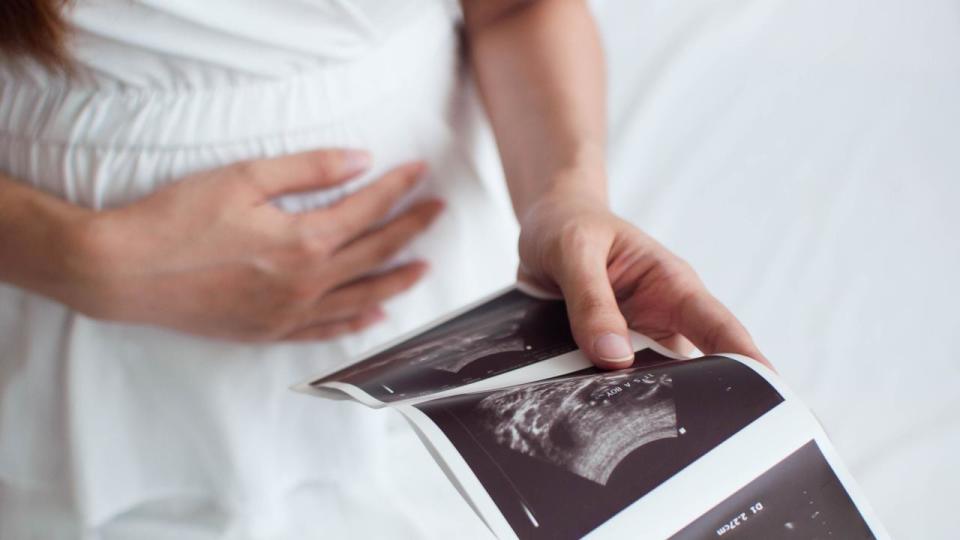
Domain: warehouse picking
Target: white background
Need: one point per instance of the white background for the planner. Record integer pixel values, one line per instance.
(804, 156)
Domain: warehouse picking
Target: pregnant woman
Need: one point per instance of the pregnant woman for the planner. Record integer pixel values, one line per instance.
(202, 203)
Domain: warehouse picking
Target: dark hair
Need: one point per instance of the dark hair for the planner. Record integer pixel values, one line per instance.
(35, 29)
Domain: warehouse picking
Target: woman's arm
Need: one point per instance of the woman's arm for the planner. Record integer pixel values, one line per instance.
(541, 73)
(37, 240)
(210, 254)
(540, 70)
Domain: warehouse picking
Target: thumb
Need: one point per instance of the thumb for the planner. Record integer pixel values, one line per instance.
(595, 319)
(304, 171)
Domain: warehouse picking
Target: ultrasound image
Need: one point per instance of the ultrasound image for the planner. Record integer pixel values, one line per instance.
(457, 345)
(799, 498)
(509, 332)
(586, 425)
(560, 457)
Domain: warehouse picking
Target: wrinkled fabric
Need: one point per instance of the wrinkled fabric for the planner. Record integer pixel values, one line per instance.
(112, 430)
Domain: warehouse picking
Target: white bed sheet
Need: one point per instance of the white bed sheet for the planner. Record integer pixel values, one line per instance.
(805, 158)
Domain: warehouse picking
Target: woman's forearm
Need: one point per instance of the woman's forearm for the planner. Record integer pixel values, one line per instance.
(540, 70)
(37, 239)
(541, 73)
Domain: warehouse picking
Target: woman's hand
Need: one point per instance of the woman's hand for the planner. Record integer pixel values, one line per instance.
(211, 255)
(614, 276)
(540, 70)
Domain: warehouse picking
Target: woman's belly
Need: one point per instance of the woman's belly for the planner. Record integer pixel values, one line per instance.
(110, 416)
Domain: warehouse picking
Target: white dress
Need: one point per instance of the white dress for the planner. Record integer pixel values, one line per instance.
(123, 431)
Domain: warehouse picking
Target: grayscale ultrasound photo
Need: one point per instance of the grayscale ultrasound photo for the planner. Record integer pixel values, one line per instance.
(587, 424)
(799, 498)
(509, 332)
(560, 457)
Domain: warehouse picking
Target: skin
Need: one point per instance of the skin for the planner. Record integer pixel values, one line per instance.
(540, 69)
(209, 255)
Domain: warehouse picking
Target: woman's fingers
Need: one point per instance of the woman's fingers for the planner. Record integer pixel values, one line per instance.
(677, 344)
(329, 330)
(365, 293)
(356, 306)
(361, 211)
(712, 327)
(595, 319)
(303, 171)
(210, 255)
(358, 249)
(373, 249)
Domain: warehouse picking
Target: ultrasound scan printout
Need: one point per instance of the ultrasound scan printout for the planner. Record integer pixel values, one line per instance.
(544, 446)
(560, 457)
(508, 332)
(800, 497)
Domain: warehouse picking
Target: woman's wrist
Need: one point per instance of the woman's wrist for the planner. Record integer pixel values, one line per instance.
(45, 245)
(576, 172)
(90, 253)
(581, 187)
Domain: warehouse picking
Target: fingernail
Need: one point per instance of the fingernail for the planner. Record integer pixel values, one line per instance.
(613, 348)
(355, 161)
